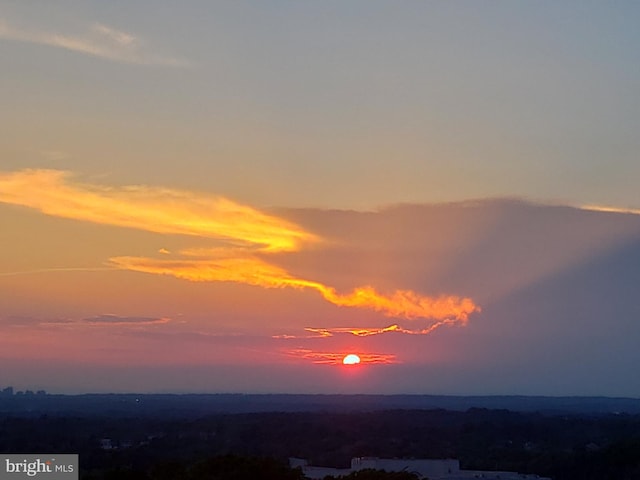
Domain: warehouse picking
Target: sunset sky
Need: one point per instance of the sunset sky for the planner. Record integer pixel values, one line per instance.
(232, 196)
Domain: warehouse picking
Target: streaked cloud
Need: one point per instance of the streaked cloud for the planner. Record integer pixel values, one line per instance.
(368, 332)
(152, 209)
(52, 270)
(111, 319)
(96, 40)
(252, 237)
(19, 321)
(335, 358)
(254, 271)
(610, 209)
(54, 155)
(107, 319)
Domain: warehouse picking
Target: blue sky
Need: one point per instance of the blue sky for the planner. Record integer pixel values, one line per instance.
(341, 104)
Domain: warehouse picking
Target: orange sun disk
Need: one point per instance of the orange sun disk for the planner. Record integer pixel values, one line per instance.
(351, 359)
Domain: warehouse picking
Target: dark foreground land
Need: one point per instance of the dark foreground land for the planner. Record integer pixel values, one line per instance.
(181, 437)
(193, 405)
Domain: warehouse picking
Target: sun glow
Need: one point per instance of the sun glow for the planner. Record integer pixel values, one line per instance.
(335, 358)
(351, 359)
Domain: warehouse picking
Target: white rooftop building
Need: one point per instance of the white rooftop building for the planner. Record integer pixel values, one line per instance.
(441, 469)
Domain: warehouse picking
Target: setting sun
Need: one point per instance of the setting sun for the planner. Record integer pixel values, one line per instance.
(351, 359)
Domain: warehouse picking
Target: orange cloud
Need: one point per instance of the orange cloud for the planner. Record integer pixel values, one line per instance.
(254, 271)
(358, 332)
(333, 358)
(404, 303)
(152, 209)
(248, 270)
(367, 332)
(610, 209)
(249, 231)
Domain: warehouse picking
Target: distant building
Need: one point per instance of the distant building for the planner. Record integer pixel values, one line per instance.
(7, 392)
(314, 472)
(106, 444)
(440, 469)
(429, 468)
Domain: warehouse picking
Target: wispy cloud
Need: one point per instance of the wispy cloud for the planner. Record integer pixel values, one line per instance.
(152, 209)
(96, 40)
(254, 271)
(111, 319)
(368, 332)
(55, 269)
(610, 209)
(54, 155)
(19, 321)
(107, 319)
(335, 358)
(253, 236)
